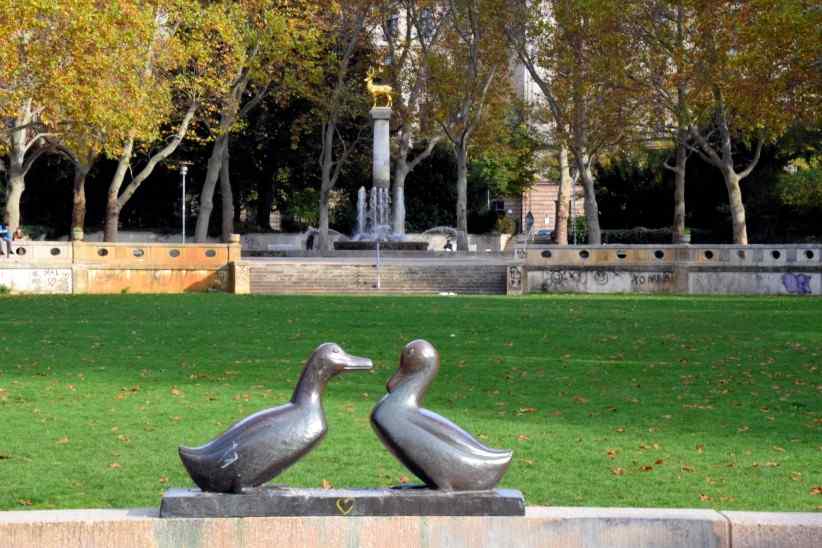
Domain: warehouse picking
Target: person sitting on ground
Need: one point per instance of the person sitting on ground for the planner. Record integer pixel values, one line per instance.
(18, 234)
(5, 241)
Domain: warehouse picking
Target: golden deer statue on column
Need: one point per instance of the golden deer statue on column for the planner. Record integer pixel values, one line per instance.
(376, 91)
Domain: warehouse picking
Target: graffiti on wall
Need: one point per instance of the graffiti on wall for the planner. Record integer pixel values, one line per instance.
(797, 284)
(657, 278)
(577, 280)
(515, 278)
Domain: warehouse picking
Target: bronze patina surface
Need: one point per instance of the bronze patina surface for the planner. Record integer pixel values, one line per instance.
(259, 447)
(436, 450)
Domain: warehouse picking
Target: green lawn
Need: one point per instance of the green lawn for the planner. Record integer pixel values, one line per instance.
(606, 401)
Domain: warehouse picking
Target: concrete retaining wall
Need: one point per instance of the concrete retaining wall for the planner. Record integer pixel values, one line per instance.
(89, 267)
(758, 269)
(541, 527)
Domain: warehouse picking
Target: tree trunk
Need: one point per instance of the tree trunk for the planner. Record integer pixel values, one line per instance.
(112, 224)
(326, 183)
(227, 196)
(591, 208)
(17, 166)
(323, 243)
(462, 197)
(679, 191)
(563, 198)
(740, 229)
(215, 163)
(78, 210)
(398, 202)
(111, 229)
(17, 185)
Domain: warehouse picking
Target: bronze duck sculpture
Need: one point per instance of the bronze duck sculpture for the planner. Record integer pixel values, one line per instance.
(436, 450)
(259, 447)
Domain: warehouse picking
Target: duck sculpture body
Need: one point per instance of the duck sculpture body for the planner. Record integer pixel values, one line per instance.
(259, 447)
(435, 449)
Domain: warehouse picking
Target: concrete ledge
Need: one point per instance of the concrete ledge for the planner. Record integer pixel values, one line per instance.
(565, 527)
(775, 530)
(562, 527)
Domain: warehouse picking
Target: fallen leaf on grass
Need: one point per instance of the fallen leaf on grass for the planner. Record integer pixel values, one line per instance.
(700, 448)
(176, 391)
(659, 461)
(817, 490)
(646, 468)
(404, 479)
(24, 502)
(523, 437)
(326, 484)
(163, 479)
(796, 476)
(612, 453)
(687, 468)
(704, 498)
(621, 429)
(64, 440)
(618, 471)
(114, 465)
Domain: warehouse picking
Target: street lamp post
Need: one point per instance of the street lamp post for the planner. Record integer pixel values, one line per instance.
(183, 172)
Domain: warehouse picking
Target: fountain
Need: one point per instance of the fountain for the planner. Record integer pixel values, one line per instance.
(374, 213)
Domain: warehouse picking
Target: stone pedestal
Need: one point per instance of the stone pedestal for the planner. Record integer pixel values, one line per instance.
(283, 501)
(381, 117)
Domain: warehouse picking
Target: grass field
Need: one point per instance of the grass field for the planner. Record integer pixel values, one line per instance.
(606, 401)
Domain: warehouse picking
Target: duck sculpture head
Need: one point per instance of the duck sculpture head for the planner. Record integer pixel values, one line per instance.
(327, 361)
(419, 363)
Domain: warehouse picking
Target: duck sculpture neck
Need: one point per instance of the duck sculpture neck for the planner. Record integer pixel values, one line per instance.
(325, 362)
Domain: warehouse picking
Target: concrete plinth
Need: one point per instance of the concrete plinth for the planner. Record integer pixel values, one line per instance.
(381, 117)
(273, 501)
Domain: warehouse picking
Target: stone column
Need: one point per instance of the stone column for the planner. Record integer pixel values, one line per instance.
(382, 149)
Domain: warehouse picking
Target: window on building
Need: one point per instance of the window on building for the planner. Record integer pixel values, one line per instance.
(498, 206)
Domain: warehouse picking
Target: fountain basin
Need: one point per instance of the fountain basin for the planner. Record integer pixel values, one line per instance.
(389, 245)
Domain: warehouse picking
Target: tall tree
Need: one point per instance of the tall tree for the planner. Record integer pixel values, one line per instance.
(569, 48)
(756, 64)
(110, 101)
(275, 52)
(347, 26)
(663, 34)
(35, 41)
(468, 74)
(410, 31)
(183, 67)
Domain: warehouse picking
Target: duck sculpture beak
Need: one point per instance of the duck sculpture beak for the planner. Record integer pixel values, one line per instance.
(353, 363)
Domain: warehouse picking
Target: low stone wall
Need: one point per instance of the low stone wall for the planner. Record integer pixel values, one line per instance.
(758, 269)
(362, 277)
(90, 267)
(540, 527)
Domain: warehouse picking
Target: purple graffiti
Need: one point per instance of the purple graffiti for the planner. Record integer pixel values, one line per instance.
(797, 284)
